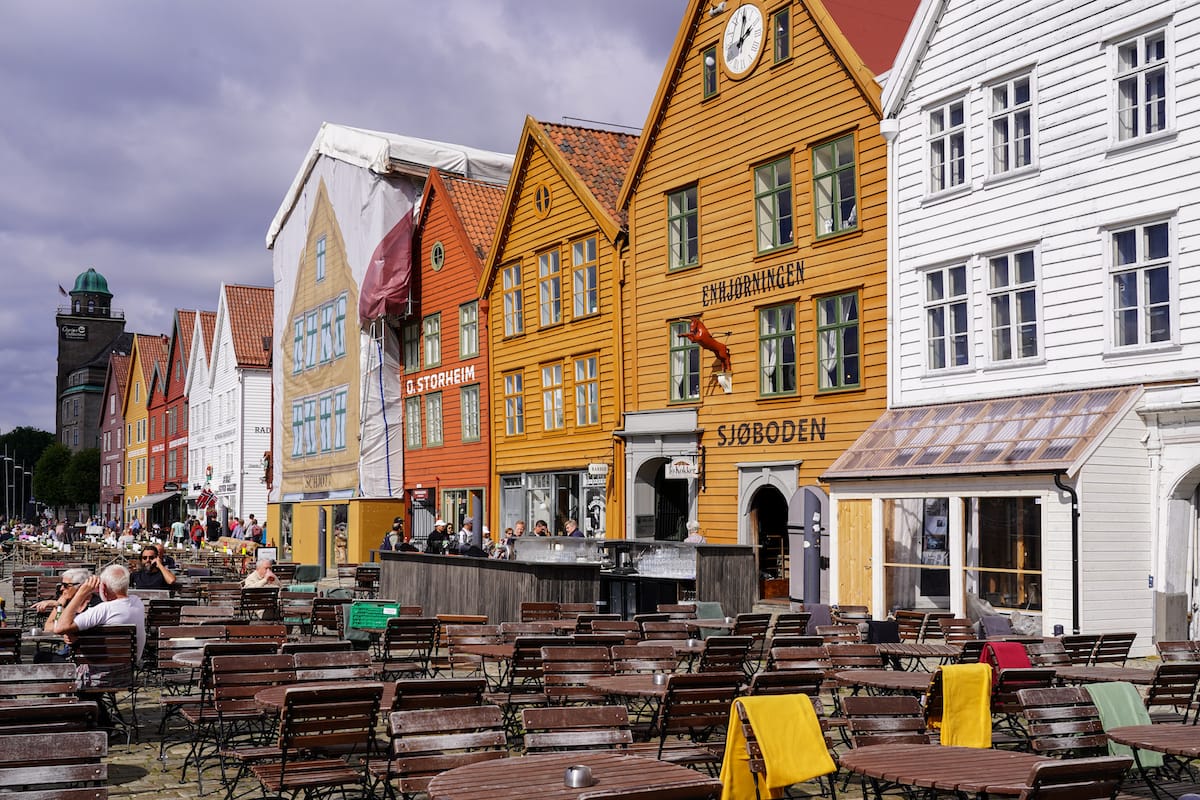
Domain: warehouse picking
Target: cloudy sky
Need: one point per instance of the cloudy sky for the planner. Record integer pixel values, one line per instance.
(154, 141)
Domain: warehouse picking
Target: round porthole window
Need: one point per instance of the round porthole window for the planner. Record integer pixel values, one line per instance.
(541, 199)
(437, 256)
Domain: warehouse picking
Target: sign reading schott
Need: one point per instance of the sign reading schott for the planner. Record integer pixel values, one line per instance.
(438, 380)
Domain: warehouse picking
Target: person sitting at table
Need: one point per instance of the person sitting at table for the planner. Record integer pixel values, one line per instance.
(153, 573)
(261, 576)
(118, 607)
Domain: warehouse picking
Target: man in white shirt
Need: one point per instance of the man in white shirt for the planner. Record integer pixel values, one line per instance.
(118, 608)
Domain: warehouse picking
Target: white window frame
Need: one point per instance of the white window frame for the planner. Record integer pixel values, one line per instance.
(1011, 294)
(433, 419)
(310, 426)
(585, 269)
(412, 423)
(326, 417)
(941, 132)
(339, 327)
(468, 329)
(1121, 75)
(468, 404)
(514, 404)
(553, 418)
(1004, 114)
(549, 288)
(587, 391)
(1142, 265)
(431, 329)
(944, 305)
(514, 301)
(326, 333)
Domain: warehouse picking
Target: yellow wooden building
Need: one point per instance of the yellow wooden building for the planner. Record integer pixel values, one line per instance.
(550, 297)
(756, 314)
(144, 354)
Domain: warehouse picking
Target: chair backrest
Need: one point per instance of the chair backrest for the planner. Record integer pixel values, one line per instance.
(634, 658)
(1062, 721)
(1177, 651)
(576, 728)
(956, 629)
(1175, 684)
(334, 646)
(754, 750)
(414, 694)
(971, 650)
(285, 571)
(408, 643)
(426, 743)
(256, 633)
(327, 615)
(532, 611)
(787, 681)
(696, 706)
(585, 620)
(10, 645)
(39, 766)
(671, 629)
(366, 579)
(911, 624)
(566, 671)
(223, 594)
(854, 656)
(259, 603)
(329, 719)
(1005, 699)
(455, 637)
(163, 612)
(334, 666)
(173, 639)
(1048, 654)
(677, 610)
(1079, 779)
(787, 658)
(1113, 648)
(726, 654)
(236, 679)
(797, 640)
(891, 719)
(701, 789)
(525, 668)
(37, 682)
(1080, 647)
(630, 630)
(568, 610)
(108, 654)
(23, 720)
(791, 624)
(839, 634)
(207, 615)
(509, 631)
(650, 617)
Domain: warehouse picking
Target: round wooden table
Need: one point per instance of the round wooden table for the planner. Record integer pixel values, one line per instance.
(966, 770)
(193, 659)
(888, 680)
(542, 776)
(272, 698)
(1170, 738)
(639, 684)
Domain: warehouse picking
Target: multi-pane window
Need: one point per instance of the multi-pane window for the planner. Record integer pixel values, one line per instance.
(781, 30)
(310, 426)
(412, 422)
(1141, 275)
(685, 364)
(514, 308)
(946, 317)
(339, 327)
(468, 403)
(773, 204)
(777, 349)
(549, 288)
(514, 404)
(310, 341)
(587, 391)
(320, 259)
(433, 418)
(339, 419)
(585, 292)
(411, 338)
(683, 228)
(708, 61)
(947, 141)
(552, 397)
(432, 328)
(1142, 85)
(298, 345)
(835, 198)
(468, 329)
(1011, 115)
(1013, 305)
(838, 353)
(326, 428)
(172, 463)
(326, 333)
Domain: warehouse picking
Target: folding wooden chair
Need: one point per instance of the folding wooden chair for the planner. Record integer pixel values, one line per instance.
(1078, 779)
(891, 719)
(1063, 721)
(64, 766)
(538, 611)
(106, 671)
(334, 666)
(693, 719)
(456, 637)
(417, 694)
(567, 670)
(426, 743)
(756, 763)
(576, 728)
(10, 645)
(727, 654)
(1080, 647)
(839, 634)
(37, 683)
(791, 624)
(1174, 686)
(407, 646)
(1113, 648)
(61, 717)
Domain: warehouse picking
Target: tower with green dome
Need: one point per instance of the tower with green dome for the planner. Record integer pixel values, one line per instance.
(89, 330)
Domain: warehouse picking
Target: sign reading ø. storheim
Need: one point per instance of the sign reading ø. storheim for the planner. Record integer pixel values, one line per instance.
(74, 333)
(681, 467)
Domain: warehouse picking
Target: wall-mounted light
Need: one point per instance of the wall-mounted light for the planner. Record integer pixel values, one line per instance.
(719, 8)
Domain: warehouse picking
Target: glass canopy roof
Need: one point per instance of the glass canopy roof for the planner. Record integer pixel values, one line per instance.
(1036, 433)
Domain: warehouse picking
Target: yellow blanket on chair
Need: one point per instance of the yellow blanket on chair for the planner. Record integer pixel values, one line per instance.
(966, 705)
(792, 743)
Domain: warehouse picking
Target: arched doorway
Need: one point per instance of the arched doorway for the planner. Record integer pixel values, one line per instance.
(768, 522)
(661, 505)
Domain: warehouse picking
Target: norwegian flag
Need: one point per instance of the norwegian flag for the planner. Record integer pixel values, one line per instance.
(206, 499)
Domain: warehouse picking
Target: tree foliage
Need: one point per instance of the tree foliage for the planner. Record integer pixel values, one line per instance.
(49, 476)
(25, 445)
(82, 478)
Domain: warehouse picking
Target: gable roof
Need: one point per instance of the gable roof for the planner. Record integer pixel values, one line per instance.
(152, 350)
(118, 368)
(251, 314)
(591, 161)
(919, 35)
(185, 324)
(208, 329)
(855, 13)
(875, 29)
(477, 206)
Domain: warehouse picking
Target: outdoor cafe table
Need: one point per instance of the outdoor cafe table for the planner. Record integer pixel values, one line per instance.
(887, 680)
(272, 697)
(915, 651)
(189, 658)
(1144, 677)
(639, 684)
(965, 770)
(1172, 739)
(501, 653)
(542, 776)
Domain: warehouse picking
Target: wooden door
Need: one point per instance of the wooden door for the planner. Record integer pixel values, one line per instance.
(854, 552)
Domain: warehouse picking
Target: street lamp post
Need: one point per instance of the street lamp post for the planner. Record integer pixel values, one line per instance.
(21, 493)
(7, 507)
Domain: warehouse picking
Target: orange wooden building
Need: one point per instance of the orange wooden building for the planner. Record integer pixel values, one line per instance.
(756, 314)
(445, 356)
(551, 289)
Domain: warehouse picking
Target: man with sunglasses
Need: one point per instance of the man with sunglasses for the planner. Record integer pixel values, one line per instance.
(153, 573)
(69, 581)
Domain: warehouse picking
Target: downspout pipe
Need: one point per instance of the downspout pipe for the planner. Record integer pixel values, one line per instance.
(1062, 487)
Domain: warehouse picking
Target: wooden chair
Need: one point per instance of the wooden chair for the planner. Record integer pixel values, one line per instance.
(911, 624)
(702, 789)
(10, 645)
(791, 624)
(727, 654)
(839, 634)
(106, 660)
(956, 630)
(173, 639)
(426, 743)
(584, 620)
(1080, 779)
(1048, 654)
(285, 571)
(669, 630)
(644, 658)
(891, 719)
(333, 646)
(677, 610)
(1113, 648)
(576, 728)
(787, 681)
(25, 720)
(160, 613)
(569, 610)
(651, 617)
(259, 632)
(790, 658)
(1008, 721)
(414, 694)
(971, 651)
(259, 604)
(630, 630)
(334, 666)
(523, 683)
(510, 631)
(225, 593)
(796, 640)
(326, 620)
(756, 763)
(538, 611)
(366, 581)
(319, 729)
(1080, 647)
(1174, 686)
(567, 670)
(755, 626)
(208, 615)
(64, 766)
(407, 647)
(854, 656)
(693, 718)
(456, 637)
(1063, 722)
(345, 575)
(1177, 651)
(37, 683)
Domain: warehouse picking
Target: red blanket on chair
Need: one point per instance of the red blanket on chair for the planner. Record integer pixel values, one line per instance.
(1004, 655)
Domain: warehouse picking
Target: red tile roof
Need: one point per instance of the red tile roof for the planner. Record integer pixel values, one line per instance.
(118, 364)
(251, 311)
(874, 29)
(478, 207)
(152, 351)
(187, 325)
(599, 158)
(208, 328)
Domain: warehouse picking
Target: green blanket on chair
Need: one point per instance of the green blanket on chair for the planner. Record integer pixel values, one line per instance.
(1120, 705)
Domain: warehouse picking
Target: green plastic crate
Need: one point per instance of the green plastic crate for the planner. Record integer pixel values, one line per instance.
(372, 613)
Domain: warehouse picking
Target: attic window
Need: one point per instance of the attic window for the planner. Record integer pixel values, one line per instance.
(437, 256)
(541, 199)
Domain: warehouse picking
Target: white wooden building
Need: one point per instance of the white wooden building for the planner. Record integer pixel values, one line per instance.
(198, 392)
(1044, 217)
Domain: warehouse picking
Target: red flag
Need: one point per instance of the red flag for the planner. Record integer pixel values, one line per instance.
(62, 291)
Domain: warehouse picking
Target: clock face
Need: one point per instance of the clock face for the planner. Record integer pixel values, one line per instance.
(743, 40)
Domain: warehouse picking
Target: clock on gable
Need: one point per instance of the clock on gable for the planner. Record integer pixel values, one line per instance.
(742, 43)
